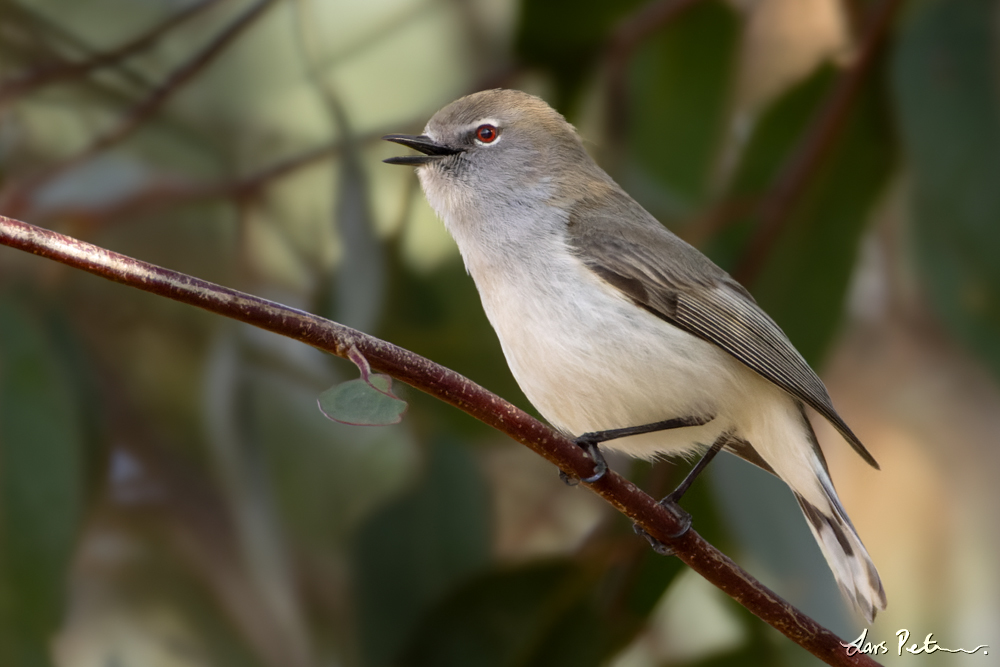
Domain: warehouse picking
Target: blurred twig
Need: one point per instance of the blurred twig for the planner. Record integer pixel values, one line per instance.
(16, 199)
(32, 36)
(715, 220)
(166, 192)
(47, 74)
(200, 530)
(455, 390)
(816, 144)
(854, 13)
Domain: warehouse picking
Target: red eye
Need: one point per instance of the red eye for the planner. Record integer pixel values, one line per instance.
(487, 133)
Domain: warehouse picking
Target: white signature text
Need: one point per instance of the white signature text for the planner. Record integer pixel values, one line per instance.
(862, 645)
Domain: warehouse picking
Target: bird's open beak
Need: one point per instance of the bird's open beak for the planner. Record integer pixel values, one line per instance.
(431, 149)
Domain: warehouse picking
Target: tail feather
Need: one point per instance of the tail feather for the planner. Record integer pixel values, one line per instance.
(838, 540)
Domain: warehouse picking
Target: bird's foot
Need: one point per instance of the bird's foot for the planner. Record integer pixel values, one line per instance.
(590, 446)
(683, 518)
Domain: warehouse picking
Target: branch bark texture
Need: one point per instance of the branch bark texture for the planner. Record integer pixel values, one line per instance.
(454, 389)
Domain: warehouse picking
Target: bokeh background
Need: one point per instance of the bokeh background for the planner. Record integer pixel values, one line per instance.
(171, 496)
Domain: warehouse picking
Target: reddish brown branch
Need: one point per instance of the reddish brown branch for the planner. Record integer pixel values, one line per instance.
(805, 162)
(48, 74)
(454, 389)
(145, 108)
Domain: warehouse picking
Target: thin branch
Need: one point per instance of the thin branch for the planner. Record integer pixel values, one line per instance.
(48, 74)
(145, 108)
(167, 191)
(800, 169)
(854, 15)
(455, 390)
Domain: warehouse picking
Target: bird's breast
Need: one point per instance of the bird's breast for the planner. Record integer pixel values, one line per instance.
(589, 359)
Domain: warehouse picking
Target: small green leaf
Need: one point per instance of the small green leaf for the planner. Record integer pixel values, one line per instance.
(363, 402)
(367, 401)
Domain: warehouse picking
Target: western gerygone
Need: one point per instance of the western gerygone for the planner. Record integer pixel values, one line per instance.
(610, 321)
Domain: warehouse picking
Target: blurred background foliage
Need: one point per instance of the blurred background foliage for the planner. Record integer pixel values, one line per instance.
(170, 495)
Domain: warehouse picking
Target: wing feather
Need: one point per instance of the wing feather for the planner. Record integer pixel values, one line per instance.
(692, 293)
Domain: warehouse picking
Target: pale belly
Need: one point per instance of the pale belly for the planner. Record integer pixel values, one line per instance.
(590, 360)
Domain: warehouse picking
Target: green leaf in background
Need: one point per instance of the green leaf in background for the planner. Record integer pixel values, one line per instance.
(565, 38)
(40, 487)
(498, 618)
(945, 76)
(804, 284)
(774, 137)
(576, 612)
(804, 281)
(680, 87)
(410, 553)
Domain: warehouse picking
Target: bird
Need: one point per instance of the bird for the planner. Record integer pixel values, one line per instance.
(621, 334)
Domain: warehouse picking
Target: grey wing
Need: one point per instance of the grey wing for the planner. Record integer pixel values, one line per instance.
(735, 323)
(692, 293)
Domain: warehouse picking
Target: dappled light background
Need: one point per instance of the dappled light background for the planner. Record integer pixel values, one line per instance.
(170, 495)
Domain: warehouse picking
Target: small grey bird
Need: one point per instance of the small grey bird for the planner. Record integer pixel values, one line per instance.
(617, 330)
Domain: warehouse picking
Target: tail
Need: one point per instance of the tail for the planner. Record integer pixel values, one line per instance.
(852, 566)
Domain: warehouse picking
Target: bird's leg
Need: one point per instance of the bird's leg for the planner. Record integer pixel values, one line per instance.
(674, 496)
(669, 501)
(589, 442)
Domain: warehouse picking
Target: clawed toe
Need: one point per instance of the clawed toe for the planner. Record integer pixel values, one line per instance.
(590, 446)
(682, 517)
(658, 546)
